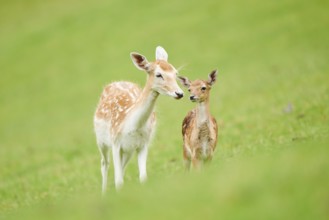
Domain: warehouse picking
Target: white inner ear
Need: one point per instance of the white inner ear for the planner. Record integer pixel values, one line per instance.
(161, 54)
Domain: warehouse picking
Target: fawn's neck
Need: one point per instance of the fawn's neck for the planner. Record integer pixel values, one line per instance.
(202, 112)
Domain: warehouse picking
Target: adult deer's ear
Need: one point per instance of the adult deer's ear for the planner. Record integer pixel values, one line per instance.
(212, 77)
(140, 61)
(185, 81)
(161, 54)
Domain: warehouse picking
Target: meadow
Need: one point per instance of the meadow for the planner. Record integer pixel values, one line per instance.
(271, 101)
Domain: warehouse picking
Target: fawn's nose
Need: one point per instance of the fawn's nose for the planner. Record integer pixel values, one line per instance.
(179, 94)
(192, 97)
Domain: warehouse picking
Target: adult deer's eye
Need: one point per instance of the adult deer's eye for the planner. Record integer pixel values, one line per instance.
(158, 75)
(203, 88)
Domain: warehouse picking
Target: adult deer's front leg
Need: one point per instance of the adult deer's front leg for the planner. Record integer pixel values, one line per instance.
(142, 158)
(118, 171)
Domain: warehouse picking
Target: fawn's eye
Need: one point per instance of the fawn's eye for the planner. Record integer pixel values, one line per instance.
(158, 75)
(203, 88)
(189, 90)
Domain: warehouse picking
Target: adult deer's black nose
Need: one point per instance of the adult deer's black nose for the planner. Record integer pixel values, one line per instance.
(179, 94)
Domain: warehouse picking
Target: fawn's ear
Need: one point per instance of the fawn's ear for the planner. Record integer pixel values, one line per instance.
(140, 61)
(185, 81)
(212, 77)
(161, 54)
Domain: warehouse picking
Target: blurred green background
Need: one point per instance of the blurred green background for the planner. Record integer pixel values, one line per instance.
(271, 101)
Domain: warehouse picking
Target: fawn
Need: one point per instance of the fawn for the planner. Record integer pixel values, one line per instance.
(124, 120)
(199, 128)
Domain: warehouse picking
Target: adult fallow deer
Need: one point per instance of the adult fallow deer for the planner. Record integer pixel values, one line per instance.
(125, 120)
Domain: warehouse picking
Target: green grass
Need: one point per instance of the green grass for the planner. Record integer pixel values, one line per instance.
(56, 56)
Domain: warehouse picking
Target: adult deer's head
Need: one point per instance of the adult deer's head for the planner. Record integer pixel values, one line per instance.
(162, 75)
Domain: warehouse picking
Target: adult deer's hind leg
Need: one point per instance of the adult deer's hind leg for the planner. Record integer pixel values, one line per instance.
(105, 162)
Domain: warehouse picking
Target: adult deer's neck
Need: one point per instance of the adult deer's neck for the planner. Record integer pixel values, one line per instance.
(143, 108)
(202, 112)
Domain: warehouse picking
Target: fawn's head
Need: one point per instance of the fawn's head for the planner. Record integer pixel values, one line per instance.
(199, 89)
(162, 75)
